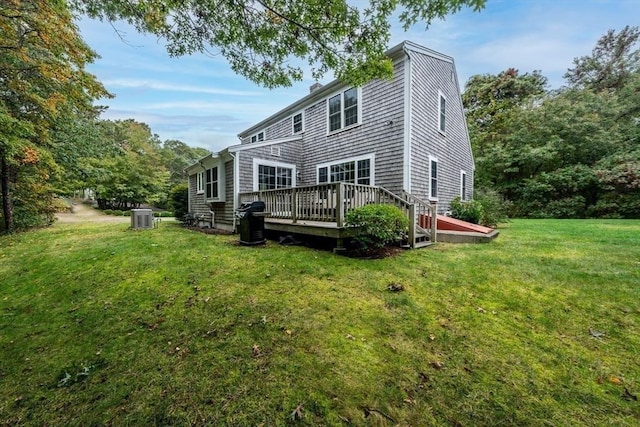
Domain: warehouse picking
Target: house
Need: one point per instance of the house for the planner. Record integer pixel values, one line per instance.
(401, 141)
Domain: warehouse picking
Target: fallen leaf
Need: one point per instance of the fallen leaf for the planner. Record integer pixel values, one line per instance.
(350, 337)
(288, 331)
(615, 380)
(596, 334)
(481, 310)
(432, 337)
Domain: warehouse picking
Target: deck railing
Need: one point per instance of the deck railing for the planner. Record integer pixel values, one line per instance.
(330, 202)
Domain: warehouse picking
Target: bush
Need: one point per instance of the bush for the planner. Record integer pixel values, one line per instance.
(116, 212)
(470, 211)
(378, 225)
(108, 211)
(494, 207)
(179, 197)
(126, 213)
(166, 214)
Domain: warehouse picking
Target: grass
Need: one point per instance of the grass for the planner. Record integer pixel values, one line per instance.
(100, 325)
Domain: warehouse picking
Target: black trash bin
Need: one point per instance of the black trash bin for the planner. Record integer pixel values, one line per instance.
(252, 223)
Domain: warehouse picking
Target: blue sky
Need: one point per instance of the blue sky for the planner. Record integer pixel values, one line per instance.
(200, 101)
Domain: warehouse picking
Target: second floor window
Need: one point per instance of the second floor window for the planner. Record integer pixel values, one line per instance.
(442, 112)
(258, 137)
(297, 123)
(343, 109)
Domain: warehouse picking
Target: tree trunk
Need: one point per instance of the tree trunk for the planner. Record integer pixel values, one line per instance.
(7, 205)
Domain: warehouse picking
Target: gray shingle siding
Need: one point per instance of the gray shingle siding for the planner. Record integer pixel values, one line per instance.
(224, 212)
(282, 129)
(453, 150)
(380, 133)
(289, 153)
(197, 204)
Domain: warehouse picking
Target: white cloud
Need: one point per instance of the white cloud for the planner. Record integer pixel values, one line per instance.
(174, 87)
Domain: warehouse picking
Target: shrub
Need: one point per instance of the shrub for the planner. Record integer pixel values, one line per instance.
(126, 213)
(108, 211)
(179, 196)
(378, 225)
(166, 214)
(117, 212)
(494, 207)
(470, 211)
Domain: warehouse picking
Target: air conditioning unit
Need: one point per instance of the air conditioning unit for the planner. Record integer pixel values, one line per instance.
(141, 219)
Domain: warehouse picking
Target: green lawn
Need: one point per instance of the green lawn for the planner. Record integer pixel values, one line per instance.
(103, 325)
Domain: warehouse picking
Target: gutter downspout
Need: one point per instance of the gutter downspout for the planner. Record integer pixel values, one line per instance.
(236, 170)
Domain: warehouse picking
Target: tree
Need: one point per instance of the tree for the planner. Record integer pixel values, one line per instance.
(492, 103)
(42, 79)
(614, 59)
(177, 156)
(260, 38)
(133, 173)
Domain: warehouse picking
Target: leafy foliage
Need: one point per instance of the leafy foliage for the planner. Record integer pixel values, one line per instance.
(43, 79)
(265, 40)
(612, 62)
(569, 153)
(469, 211)
(179, 198)
(378, 225)
(134, 173)
(495, 210)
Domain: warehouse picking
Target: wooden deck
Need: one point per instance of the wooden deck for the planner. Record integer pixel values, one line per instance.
(320, 210)
(311, 228)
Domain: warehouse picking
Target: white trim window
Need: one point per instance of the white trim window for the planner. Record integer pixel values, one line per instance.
(200, 182)
(357, 170)
(269, 175)
(258, 137)
(433, 178)
(463, 185)
(442, 113)
(211, 183)
(298, 123)
(343, 110)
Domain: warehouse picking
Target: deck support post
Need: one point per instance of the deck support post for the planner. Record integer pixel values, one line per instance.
(294, 205)
(434, 221)
(412, 225)
(340, 205)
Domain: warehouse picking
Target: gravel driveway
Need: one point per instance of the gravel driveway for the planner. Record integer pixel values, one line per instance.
(84, 213)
